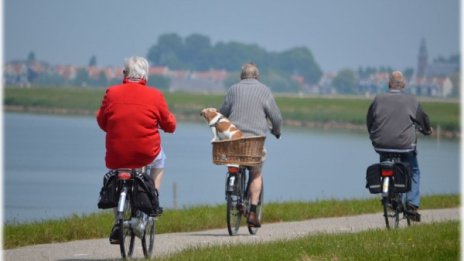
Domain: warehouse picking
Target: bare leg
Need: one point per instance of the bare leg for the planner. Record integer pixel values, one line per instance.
(255, 187)
(157, 176)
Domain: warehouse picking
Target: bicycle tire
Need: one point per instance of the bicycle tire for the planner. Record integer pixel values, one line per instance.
(259, 210)
(126, 235)
(149, 237)
(234, 214)
(390, 211)
(235, 208)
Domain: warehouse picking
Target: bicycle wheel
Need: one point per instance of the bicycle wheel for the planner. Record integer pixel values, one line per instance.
(127, 235)
(391, 211)
(148, 239)
(234, 206)
(259, 211)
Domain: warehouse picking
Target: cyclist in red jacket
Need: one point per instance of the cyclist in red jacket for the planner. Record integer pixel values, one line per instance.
(131, 114)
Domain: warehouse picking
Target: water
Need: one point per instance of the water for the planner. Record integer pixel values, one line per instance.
(54, 166)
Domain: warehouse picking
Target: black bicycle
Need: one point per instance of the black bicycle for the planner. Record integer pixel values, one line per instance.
(132, 222)
(237, 197)
(395, 183)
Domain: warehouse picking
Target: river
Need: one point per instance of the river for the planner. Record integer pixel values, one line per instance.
(54, 166)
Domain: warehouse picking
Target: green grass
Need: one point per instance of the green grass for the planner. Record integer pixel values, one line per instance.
(187, 106)
(98, 225)
(438, 241)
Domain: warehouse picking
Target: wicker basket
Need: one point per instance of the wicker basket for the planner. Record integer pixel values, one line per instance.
(245, 151)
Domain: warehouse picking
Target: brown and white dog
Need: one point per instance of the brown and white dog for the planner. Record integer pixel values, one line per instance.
(221, 127)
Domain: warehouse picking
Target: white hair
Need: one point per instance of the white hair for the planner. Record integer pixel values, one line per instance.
(136, 68)
(249, 71)
(396, 81)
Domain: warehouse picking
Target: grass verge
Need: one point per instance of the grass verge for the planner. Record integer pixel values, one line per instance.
(298, 111)
(436, 241)
(98, 225)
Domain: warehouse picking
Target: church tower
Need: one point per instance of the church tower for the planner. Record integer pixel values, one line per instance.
(422, 59)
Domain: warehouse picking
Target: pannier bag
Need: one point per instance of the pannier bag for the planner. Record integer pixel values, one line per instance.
(373, 180)
(402, 177)
(108, 192)
(145, 195)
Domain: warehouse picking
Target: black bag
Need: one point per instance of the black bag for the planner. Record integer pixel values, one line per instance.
(109, 191)
(373, 180)
(145, 195)
(402, 177)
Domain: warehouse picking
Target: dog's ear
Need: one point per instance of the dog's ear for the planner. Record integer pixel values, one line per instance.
(203, 112)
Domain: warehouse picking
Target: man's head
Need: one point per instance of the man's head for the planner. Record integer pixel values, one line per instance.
(136, 68)
(396, 81)
(249, 71)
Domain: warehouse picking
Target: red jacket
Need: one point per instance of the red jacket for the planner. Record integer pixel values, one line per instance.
(131, 114)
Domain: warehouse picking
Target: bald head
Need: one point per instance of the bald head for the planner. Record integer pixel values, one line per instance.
(396, 81)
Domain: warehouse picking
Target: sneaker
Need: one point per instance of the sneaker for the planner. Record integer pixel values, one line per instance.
(114, 237)
(253, 220)
(411, 211)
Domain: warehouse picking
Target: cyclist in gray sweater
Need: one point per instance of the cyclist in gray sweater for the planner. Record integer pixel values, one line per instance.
(392, 120)
(250, 105)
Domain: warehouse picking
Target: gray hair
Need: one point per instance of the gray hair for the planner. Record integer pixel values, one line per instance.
(249, 71)
(396, 81)
(136, 68)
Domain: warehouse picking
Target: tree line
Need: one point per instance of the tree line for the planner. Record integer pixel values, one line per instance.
(197, 53)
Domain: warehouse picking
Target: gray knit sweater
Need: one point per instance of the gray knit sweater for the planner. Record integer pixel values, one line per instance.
(250, 105)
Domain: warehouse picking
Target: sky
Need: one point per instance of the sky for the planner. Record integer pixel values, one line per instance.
(339, 33)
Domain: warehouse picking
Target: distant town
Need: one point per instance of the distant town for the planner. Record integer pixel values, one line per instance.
(439, 78)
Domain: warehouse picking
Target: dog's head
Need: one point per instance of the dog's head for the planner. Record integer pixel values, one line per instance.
(209, 113)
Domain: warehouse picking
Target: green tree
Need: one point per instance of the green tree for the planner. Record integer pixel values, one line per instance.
(197, 52)
(300, 61)
(82, 78)
(166, 52)
(345, 82)
(102, 80)
(279, 82)
(159, 81)
(408, 73)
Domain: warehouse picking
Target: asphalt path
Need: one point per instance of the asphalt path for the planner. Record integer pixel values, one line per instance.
(165, 244)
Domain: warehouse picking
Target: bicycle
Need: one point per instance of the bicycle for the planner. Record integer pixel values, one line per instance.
(237, 196)
(132, 222)
(239, 155)
(393, 189)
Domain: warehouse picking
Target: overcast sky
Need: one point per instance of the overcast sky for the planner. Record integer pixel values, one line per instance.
(339, 33)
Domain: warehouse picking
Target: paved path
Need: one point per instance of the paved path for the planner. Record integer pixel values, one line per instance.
(100, 249)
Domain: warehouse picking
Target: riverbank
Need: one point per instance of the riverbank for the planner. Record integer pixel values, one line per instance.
(189, 117)
(322, 112)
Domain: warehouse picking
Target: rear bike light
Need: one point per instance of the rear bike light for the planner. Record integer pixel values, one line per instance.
(232, 170)
(387, 173)
(124, 175)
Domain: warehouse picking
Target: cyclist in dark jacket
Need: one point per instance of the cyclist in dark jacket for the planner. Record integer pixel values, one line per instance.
(392, 120)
